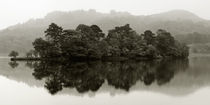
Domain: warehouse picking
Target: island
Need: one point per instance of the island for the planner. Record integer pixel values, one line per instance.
(90, 43)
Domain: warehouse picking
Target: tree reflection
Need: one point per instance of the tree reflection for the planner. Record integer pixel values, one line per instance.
(31, 64)
(13, 64)
(89, 76)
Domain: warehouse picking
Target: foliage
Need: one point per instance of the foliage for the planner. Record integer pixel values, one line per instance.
(149, 37)
(29, 54)
(169, 47)
(122, 41)
(89, 42)
(32, 53)
(13, 54)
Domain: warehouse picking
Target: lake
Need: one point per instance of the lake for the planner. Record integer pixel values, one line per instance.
(167, 82)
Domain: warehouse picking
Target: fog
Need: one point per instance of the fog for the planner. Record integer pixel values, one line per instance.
(13, 11)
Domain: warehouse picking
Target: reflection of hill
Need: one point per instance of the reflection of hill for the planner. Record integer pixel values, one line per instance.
(182, 83)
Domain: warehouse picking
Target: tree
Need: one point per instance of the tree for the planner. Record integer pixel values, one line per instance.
(165, 43)
(13, 54)
(123, 41)
(53, 36)
(35, 53)
(41, 47)
(149, 37)
(151, 52)
(53, 33)
(32, 53)
(29, 54)
(72, 44)
(168, 46)
(99, 34)
(90, 39)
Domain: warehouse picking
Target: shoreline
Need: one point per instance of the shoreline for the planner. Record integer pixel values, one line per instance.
(24, 59)
(89, 59)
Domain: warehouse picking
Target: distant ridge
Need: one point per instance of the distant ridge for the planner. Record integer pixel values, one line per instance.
(176, 15)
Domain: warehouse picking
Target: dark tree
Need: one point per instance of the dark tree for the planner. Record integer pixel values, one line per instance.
(53, 33)
(124, 41)
(149, 37)
(35, 53)
(168, 46)
(42, 47)
(13, 54)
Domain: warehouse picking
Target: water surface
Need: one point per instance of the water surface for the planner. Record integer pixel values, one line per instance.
(174, 82)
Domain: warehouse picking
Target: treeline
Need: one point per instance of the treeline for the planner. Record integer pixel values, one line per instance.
(200, 48)
(194, 38)
(89, 42)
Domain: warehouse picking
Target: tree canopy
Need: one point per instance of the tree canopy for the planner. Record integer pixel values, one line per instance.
(89, 42)
(13, 54)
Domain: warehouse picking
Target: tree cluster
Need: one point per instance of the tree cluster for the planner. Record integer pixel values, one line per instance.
(194, 38)
(89, 42)
(32, 54)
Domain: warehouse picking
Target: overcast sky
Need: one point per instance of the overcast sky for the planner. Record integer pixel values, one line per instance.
(18, 11)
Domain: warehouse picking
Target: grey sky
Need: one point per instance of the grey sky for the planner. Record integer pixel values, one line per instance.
(18, 11)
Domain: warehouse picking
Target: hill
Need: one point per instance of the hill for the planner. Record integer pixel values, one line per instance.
(19, 37)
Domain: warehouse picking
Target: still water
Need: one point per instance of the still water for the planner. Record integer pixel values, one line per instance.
(168, 82)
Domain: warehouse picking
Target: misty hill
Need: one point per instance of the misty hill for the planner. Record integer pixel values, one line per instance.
(19, 37)
(176, 15)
